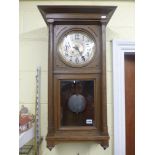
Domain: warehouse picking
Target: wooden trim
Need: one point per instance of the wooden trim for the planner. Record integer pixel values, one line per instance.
(50, 79)
(71, 12)
(104, 96)
(119, 49)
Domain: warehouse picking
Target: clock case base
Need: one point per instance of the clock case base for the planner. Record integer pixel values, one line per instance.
(77, 15)
(53, 140)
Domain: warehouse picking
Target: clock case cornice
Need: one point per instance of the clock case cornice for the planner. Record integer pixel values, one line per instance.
(86, 14)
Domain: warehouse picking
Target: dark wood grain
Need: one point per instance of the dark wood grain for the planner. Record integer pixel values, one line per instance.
(130, 103)
(70, 13)
(103, 75)
(50, 80)
(88, 19)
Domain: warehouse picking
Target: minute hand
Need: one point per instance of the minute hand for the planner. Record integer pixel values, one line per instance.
(83, 58)
(75, 47)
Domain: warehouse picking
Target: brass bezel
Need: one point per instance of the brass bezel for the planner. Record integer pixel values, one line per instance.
(80, 31)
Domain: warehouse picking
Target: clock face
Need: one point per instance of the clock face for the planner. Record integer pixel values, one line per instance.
(76, 48)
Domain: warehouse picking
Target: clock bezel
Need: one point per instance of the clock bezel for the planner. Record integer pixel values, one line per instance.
(80, 31)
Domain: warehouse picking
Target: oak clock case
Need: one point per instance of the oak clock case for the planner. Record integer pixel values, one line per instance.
(77, 106)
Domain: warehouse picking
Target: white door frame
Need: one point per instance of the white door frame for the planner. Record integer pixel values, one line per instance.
(119, 49)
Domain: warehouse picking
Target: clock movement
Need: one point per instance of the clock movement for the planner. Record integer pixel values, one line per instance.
(77, 104)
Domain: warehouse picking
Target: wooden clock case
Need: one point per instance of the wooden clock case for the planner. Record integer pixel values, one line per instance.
(92, 20)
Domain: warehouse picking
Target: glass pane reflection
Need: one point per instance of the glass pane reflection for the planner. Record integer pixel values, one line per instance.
(77, 102)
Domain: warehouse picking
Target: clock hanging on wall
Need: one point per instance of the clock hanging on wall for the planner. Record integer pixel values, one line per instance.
(77, 106)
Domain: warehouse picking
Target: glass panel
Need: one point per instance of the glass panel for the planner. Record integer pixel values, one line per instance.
(77, 102)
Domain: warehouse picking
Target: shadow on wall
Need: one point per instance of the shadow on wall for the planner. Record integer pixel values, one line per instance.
(76, 148)
(37, 34)
(110, 34)
(126, 33)
(88, 148)
(42, 34)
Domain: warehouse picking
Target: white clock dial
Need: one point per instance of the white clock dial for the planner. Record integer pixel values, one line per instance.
(77, 48)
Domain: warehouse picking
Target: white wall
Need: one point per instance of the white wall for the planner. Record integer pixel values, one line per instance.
(34, 51)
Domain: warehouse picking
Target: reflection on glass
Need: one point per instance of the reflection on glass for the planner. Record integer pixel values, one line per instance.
(77, 102)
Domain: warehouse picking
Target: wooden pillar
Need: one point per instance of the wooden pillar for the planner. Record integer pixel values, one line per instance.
(50, 78)
(104, 88)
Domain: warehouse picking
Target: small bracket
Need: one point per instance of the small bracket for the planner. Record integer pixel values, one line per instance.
(50, 147)
(105, 146)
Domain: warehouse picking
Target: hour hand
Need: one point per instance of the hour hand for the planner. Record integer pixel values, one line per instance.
(76, 47)
(83, 58)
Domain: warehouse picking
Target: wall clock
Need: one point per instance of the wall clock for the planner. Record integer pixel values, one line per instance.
(77, 106)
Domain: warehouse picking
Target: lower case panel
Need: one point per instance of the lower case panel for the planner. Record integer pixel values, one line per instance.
(52, 140)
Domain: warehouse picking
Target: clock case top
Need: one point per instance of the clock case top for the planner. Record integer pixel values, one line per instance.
(91, 19)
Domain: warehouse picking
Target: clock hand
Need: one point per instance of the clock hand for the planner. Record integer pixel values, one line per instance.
(83, 58)
(76, 48)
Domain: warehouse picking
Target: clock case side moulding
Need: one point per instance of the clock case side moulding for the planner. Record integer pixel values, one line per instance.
(79, 16)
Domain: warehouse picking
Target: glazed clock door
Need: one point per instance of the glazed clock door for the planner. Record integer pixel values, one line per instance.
(77, 99)
(77, 102)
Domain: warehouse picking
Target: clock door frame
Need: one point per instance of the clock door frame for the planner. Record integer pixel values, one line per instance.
(57, 103)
